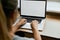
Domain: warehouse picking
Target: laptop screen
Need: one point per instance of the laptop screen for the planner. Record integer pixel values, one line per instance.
(33, 8)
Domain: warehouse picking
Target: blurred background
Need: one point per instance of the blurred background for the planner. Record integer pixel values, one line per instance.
(52, 6)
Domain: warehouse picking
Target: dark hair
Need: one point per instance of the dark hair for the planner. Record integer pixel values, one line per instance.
(9, 6)
(4, 35)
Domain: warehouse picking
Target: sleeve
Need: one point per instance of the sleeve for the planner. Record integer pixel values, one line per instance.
(21, 38)
(18, 38)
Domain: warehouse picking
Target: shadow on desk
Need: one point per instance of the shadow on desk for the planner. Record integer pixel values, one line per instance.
(30, 35)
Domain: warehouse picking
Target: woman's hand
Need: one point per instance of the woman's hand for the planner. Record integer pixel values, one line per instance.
(22, 22)
(15, 28)
(34, 24)
(35, 31)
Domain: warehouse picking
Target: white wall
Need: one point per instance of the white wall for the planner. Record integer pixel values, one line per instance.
(53, 6)
(47, 0)
(18, 3)
(54, 0)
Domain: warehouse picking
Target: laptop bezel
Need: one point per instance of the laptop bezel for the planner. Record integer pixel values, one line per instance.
(34, 16)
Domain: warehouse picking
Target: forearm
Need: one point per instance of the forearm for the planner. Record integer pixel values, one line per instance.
(36, 34)
(17, 25)
(14, 28)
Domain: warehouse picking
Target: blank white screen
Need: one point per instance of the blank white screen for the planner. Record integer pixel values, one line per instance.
(33, 8)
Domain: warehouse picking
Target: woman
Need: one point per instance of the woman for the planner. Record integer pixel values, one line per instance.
(11, 14)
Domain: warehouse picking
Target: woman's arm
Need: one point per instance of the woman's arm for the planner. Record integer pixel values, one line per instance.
(36, 33)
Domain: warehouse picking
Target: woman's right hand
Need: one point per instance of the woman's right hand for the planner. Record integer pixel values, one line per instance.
(15, 27)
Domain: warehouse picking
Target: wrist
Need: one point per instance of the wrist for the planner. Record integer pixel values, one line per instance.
(18, 24)
(34, 28)
(11, 34)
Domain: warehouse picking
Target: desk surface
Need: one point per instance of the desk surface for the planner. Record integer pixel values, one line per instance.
(52, 28)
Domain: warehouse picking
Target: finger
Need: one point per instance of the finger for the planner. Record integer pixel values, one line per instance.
(35, 21)
(24, 19)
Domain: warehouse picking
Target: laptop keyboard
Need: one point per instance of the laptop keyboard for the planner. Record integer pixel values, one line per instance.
(30, 20)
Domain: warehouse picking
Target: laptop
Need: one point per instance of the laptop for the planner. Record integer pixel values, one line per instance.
(33, 10)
